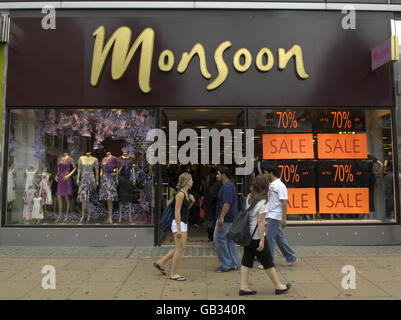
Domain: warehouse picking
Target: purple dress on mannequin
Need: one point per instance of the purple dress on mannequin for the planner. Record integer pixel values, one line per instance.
(64, 188)
(108, 186)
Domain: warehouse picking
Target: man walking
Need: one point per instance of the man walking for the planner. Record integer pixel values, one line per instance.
(226, 211)
(277, 215)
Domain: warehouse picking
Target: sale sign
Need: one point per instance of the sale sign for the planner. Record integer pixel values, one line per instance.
(288, 146)
(342, 146)
(301, 201)
(344, 200)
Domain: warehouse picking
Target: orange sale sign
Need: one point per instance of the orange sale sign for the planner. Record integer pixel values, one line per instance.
(344, 200)
(288, 146)
(301, 201)
(342, 146)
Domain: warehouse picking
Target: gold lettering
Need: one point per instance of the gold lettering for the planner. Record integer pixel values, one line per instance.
(187, 57)
(163, 65)
(121, 58)
(221, 65)
(237, 60)
(283, 59)
(259, 60)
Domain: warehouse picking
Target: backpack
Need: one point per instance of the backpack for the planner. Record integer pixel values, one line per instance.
(239, 231)
(168, 216)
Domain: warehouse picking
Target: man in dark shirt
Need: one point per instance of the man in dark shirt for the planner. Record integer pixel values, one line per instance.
(226, 211)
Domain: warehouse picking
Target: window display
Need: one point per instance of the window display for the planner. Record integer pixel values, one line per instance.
(336, 164)
(79, 166)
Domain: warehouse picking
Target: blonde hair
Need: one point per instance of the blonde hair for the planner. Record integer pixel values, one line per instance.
(183, 180)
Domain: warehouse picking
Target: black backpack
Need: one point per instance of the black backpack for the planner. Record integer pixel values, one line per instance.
(239, 231)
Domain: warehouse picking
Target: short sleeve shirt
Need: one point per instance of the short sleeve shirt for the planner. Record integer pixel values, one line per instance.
(261, 208)
(277, 193)
(227, 194)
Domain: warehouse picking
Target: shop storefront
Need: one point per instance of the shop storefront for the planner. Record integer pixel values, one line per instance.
(81, 99)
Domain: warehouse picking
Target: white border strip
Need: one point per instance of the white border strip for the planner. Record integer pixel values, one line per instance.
(197, 5)
(28, 5)
(261, 5)
(364, 6)
(128, 4)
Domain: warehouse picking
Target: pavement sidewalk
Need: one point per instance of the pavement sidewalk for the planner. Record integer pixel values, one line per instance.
(128, 274)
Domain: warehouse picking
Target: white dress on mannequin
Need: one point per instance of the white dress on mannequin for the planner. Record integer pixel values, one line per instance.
(11, 186)
(36, 211)
(30, 175)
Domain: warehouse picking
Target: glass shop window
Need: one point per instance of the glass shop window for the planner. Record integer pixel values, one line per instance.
(337, 164)
(79, 167)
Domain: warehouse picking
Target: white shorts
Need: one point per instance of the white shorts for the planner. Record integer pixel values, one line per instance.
(184, 227)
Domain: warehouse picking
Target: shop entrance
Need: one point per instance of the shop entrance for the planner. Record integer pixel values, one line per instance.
(200, 228)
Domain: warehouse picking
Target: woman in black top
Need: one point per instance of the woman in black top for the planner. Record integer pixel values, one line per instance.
(183, 202)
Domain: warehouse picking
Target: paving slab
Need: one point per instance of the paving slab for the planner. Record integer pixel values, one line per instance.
(96, 291)
(128, 274)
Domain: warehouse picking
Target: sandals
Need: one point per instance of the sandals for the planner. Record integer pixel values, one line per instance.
(163, 271)
(180, 278)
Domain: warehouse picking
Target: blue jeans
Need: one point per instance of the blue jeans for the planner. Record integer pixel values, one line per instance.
(226, 249)
(275, 235)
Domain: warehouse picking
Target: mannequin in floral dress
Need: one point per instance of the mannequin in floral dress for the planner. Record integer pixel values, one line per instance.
(108, 182)
(88, 180)
(45, 190)
(126, 183)
(28, 203)
(64, 184)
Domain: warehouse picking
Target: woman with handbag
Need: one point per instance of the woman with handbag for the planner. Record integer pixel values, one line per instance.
(259, 246)
(179, 227)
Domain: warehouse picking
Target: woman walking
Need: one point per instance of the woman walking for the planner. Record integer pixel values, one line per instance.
(183, 203)
(259, 246)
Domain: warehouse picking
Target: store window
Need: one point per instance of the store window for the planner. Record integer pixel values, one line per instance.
(80, 167)
(337, 164)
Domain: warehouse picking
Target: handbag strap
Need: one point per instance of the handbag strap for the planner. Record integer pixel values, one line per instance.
(254, 231)
(253, 205)
(174, 197)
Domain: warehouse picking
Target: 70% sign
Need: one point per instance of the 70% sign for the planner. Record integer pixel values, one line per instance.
(287, 119)
(343, 172)
(289, 173)
(341, 120)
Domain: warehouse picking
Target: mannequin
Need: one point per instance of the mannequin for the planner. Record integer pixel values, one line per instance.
(108, 183)
(372, 160)
(29, 194)
(64, 184)
(37, 210)
(88, 180)
(126, 183)
(30, 177)
(45, 189)
(11, 183)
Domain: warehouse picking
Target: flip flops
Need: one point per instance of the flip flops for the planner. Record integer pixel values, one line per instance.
(163, 271)
(178, 279)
